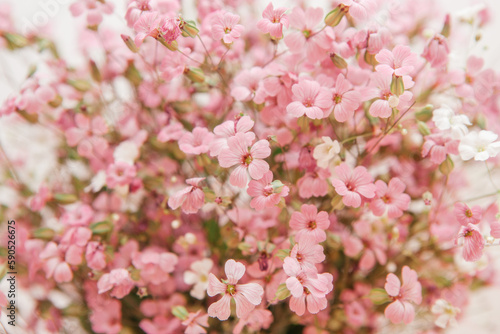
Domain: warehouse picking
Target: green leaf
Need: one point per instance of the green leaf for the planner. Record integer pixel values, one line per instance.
(101, 227)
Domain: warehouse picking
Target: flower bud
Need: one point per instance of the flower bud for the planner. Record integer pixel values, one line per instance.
(423, 128)
(15, 41)
(129, 42)
(189, 29)
(425, 113)
(94, 71)
(282, 292)
(172, 46)
(446, 27)
(65, 198)
(180, 312)
(333, 18)
(195, 74)
(397, 86)
(338, 61)
(447, 166)
(43, 233)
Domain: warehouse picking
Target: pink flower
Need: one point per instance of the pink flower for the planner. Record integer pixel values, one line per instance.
(306, 285)
(438, 147)
(229, 129)
(195, 323)
(345, 99)
(119, 174)
(307, 252)
(246, 296)
(54, 264)
(273, 21)
(43, 196)
(196, 142)
(95, 256)
(191, 198)
(400, 61)
(354, 185)
(310, 99)
(266, 193)
(172, 131)
(390, 199)
(436, 51)
(383, 106)
(169, 29)
(358, 9)
(466, 215)
(247, 158)
(411, 291)
(155, 264)
(146, 25)
(314, 184)
(118, 280)
(308, 222)
(473, 242)
(225, 27)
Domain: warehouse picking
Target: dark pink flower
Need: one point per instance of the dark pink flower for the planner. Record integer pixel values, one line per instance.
(436, 51)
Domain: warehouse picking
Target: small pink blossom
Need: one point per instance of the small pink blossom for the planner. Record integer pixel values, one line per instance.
(466, 215)
(401, 308)
(436, 51)
(190, 198)
(473, 242)
(246, 158)
(169, 29)
(307, 252)
(400, 61)
(195, 323)
(172, 131)
(118, 281)
(358, 9)
(308, 221)
(229, 129)
(266, 193)
(54, 265)
(438, 147)
(146, 25)
(225, 27)
(196, 142)
(310, 99)
(273, 21)
(390, 198)
(43, 196)
(155, 264)
(95, 256)
(306, 285)
(314, 183)
(246, 296)
(345, 99)
(354, 186)
(120, 174)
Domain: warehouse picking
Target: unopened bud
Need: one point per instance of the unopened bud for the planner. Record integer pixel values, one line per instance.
(338, 61)
(129, 42)
(180, 312)
(15, 41)
(397, 85)
(423, 128)
(79, 85)
(447, 166)
(277, 186)
(65, 198)
(189, 29)
(44, 233)
(425, 113)
(172, 46)
(94, 71)
(333, 18)
(195, 74)
(446, 27)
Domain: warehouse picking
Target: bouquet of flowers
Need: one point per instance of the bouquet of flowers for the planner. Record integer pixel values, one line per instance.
(232, 168)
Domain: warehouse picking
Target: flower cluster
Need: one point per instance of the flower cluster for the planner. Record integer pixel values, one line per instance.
(307, 170)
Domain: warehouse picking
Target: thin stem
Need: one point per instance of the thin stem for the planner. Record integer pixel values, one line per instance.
(275, 56)
(481, 196)
(9, 165)
(206, 50)
(490, 176)
(356, 137)
(185, 55)
(222, 58)
(389, 130)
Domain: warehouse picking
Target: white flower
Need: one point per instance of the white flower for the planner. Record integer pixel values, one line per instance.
(479, 145)
(325, 152)
(198, 275)
(127, 152)
(446, 313)
(445, 119)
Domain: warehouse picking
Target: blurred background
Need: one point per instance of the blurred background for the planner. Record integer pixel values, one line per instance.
(53, 16)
